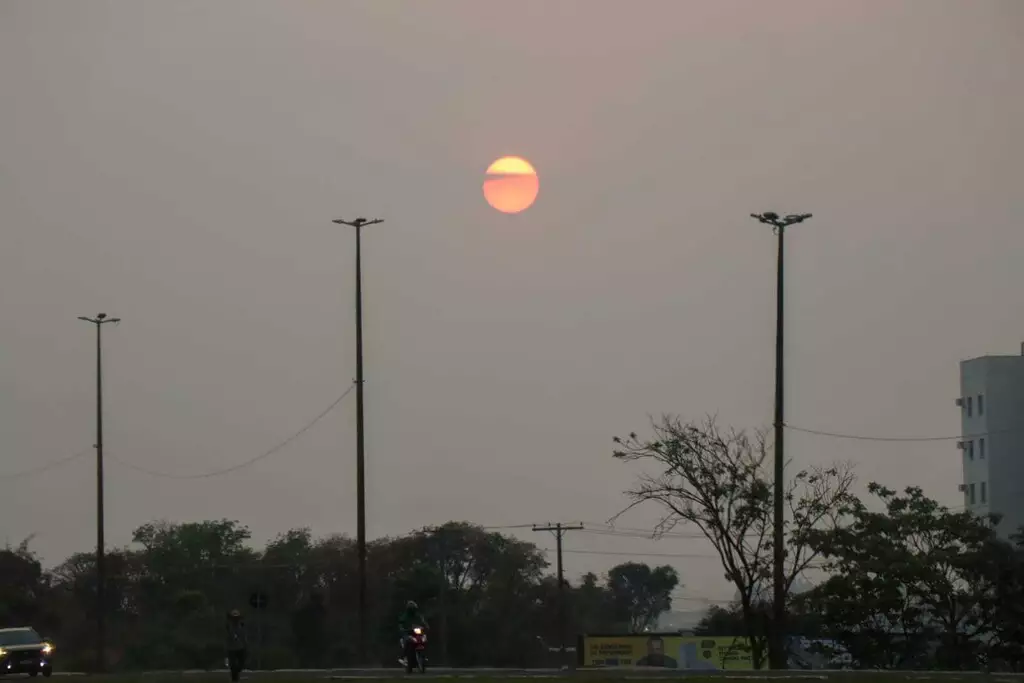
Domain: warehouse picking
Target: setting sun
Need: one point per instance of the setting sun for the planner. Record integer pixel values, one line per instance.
(511, 184)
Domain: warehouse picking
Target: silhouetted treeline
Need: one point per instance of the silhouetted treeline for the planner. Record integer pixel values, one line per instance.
(488, 597)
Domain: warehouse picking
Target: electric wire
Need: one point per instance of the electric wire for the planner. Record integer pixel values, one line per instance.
(610, 553)
(245, 463)
(45, 467)
(646, 534)
(605, 529)
(896, 439)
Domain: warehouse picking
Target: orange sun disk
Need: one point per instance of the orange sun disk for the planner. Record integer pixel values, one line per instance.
(511, 185)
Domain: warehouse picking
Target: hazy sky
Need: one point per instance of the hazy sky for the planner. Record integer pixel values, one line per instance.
(177, 164)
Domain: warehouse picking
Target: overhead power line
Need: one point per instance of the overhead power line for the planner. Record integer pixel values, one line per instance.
(646, 534)
(245, 463)
(605, 529)
(692, 556)
(895, 439)
(46, 467)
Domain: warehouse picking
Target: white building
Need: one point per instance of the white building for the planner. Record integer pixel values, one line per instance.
(992, 417)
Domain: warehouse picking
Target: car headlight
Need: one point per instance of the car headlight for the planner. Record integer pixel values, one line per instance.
(47, 648)
(418, 631)
(3, 652)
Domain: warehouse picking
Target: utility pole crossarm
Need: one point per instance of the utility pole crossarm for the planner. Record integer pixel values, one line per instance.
(558, 527)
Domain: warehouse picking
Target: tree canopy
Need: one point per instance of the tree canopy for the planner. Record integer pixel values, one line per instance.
(910, 583)
(489, 597)
(717, 480)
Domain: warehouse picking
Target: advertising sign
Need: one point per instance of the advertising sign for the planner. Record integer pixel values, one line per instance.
(667, 652)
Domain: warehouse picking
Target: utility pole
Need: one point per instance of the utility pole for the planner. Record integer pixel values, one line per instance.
(359, 224)
(559, 531)
(777, 645)
(101, 574)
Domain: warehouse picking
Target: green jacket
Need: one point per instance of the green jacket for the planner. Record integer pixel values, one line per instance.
(410, 618)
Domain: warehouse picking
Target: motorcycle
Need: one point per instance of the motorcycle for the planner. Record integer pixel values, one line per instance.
(415, 650)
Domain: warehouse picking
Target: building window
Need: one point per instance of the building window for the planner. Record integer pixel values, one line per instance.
(971, 488)
(970, 405)
(984, 493)
(981, 404)
(981, 448)
(969, 447)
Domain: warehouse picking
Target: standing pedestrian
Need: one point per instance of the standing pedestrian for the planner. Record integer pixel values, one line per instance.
(236, 643)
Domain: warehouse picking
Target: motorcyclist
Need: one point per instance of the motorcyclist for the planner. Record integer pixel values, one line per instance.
(410, 618)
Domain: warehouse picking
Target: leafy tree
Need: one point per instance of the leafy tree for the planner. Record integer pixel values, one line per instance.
(309, 628)
(906, 577)
(728, 620)
(720, 621)
(591, 609)
(193, 575)
(469, 579)
(489, 597)
(911, 584)
(73, 602)
(718, 481)
(1006, 648)
(24, 585)
(640, 594)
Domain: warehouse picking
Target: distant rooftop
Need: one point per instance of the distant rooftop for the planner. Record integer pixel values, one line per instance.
(1002, 355)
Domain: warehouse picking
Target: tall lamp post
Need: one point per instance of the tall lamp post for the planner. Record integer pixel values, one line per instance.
(359, 224)
(776, 650)
(101, 576)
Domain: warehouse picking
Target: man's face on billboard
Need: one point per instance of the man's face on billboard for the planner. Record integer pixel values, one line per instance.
(655, 646)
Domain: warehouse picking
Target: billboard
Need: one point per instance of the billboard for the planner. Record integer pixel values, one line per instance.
(667, 651)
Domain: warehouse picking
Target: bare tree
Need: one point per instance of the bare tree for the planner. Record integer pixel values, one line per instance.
(718, 481)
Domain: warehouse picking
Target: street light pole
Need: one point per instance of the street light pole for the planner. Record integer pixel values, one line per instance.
(100, 320)
(776, 650)
(359, 224)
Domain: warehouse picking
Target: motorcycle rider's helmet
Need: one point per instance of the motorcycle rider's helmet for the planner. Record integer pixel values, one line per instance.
(234, 614)
(411, 606)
